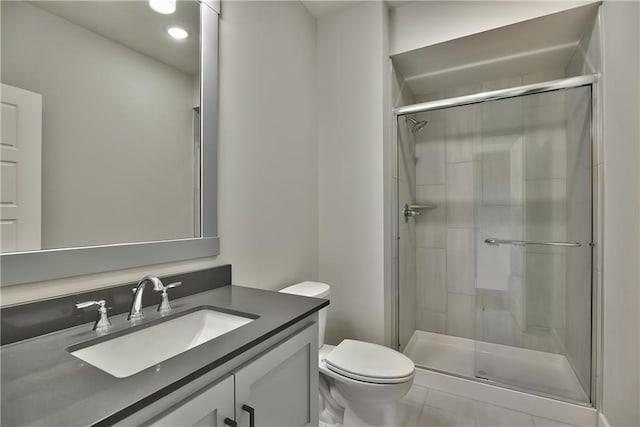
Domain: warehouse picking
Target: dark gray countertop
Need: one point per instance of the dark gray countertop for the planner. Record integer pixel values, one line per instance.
(43, 384)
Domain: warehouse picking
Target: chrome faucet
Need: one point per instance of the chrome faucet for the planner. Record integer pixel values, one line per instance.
(164, 307)
(102, 323)
(135, 313)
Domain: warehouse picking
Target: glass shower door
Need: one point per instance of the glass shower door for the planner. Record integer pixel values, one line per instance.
(532, 225)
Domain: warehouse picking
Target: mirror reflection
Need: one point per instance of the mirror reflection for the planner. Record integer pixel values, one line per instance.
(100, 123)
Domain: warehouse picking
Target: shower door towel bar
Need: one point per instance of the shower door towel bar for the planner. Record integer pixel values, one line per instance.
(497, 242)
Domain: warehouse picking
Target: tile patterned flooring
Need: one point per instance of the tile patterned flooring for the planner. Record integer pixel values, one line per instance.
(423, 407)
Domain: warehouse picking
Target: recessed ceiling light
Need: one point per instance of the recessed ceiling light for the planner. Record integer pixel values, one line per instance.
(165, 7)
(177, 32)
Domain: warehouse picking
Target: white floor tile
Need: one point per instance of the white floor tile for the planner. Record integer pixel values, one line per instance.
(493, 416)
(451, 403)
(434, 417)
(543, 422)
(424, 407)
(410, 407)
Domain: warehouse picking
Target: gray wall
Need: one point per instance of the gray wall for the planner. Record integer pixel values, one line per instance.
(620, 167)
(98, 183)
(351, 181)
(268, 171)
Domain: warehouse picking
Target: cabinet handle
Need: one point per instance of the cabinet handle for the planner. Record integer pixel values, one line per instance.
(230, 422)
(252, 413)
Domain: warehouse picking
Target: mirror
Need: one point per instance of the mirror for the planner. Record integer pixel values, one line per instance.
(102, 139)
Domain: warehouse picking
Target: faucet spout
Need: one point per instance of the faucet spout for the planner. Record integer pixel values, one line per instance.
(135, 313)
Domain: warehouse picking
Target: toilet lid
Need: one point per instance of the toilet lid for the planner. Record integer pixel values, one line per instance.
(370, 362)
(308, 289)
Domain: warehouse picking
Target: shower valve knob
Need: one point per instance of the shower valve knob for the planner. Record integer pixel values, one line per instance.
(407, 212)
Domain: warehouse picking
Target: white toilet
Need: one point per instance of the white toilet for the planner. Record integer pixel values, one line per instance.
(360, 382)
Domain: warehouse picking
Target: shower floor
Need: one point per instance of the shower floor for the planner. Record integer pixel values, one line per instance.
(543, 373)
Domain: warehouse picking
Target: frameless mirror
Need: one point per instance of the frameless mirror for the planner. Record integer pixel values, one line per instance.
(102, 142)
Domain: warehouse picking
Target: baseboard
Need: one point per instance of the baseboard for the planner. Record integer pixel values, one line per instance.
(602, 421)
(564, 412)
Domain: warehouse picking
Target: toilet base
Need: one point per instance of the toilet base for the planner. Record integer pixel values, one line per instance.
(371, 405)
(352, 403)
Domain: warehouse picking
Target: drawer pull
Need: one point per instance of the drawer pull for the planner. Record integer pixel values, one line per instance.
(230, 422)
(252, 415)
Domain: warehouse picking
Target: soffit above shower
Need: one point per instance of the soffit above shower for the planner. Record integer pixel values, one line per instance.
(533, 46)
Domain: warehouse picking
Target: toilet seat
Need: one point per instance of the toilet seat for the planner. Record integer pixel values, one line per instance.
(367, 362)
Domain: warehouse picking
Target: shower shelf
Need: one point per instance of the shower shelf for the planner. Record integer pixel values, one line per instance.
(425, 206)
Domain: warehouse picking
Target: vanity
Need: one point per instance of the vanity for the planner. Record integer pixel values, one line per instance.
(263, 372)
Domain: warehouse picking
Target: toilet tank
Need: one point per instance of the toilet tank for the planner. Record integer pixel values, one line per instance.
(314, 290)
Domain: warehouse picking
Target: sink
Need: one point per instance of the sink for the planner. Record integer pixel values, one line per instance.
(140, 349)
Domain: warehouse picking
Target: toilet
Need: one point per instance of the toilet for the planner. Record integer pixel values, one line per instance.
(360, 382)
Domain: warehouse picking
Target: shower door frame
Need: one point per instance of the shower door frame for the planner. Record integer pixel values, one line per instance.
(591, 81)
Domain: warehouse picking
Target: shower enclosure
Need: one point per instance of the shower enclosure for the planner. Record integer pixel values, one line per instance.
(494, 233)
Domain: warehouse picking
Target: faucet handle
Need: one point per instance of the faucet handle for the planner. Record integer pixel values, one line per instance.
(171, 285)
(86, 304)
(102, 323)
(164, 306)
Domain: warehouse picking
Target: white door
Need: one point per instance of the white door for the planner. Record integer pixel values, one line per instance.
(209, 408)
(20, 166)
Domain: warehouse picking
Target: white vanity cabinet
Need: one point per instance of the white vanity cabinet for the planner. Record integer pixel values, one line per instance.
(273, 386)
(208, 408)
(279, 388)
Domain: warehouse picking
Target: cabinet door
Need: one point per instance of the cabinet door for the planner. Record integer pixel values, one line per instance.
(207, 408)
(281, 385)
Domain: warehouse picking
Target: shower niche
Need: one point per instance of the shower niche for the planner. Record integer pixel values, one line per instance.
(496, 205)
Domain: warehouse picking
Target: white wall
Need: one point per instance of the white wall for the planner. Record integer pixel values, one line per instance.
(621, 388)
(423, 23)
(98, 185)
(351, 115)
(268, 157)
(267, 168)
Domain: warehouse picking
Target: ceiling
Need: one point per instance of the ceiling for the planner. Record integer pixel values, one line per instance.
(322, 8)
(134, 24)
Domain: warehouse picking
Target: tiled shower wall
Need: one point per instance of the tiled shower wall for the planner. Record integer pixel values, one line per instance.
(491, 168)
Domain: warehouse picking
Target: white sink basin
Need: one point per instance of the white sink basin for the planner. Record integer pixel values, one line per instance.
(131, 353)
